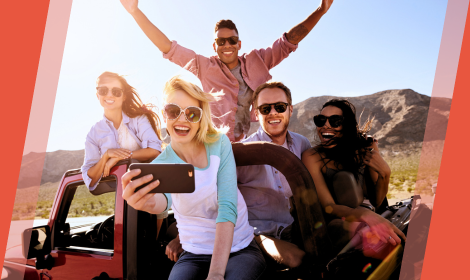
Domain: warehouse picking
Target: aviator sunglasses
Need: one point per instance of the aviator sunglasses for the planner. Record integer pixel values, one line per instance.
(280, 107)
(334, 120)
(192, 113)
(231, 40)
(103, 91)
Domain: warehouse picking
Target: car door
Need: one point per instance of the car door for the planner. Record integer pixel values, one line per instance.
(87, 228)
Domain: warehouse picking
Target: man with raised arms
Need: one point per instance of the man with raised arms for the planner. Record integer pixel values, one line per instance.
(236, 77)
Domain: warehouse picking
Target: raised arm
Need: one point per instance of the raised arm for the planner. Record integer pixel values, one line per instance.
(288, 43)
(153, 33)
(300, 31)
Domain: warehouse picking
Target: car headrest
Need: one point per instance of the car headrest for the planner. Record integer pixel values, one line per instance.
(347, 190)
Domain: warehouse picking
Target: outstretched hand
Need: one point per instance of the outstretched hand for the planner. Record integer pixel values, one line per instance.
(324, 5)
(142, 199)
(130, 5)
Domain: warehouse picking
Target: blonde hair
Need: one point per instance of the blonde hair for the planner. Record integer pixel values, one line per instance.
(208, 132)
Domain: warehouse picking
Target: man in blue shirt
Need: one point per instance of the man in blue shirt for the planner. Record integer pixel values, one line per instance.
(265, 190)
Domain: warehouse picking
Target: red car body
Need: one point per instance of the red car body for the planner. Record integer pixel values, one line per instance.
(74, 265)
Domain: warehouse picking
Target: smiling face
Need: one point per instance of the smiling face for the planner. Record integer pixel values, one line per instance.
(326, 132)
(109, 101)
(227, 53)
(180, 129)
(274, 124)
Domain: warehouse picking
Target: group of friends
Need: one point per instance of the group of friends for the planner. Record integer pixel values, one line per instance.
(238, 217)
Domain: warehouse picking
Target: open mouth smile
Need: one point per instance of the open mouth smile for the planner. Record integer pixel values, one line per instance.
(328, 135)
(181, 130)
(109, 101)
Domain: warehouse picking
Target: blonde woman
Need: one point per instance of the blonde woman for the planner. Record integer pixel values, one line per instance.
(213, 220)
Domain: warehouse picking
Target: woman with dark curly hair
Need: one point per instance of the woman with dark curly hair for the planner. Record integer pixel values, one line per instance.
(345, 146)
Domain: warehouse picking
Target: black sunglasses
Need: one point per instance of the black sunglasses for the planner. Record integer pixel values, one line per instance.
(231, 40)
(334, 120)
(280, 107)
(103, 91)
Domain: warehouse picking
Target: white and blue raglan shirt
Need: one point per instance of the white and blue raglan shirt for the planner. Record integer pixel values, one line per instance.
(216, 199)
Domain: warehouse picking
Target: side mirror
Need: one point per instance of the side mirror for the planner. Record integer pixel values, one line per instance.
(36, 242)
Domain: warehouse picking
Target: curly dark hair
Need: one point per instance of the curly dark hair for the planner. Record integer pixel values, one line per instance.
(225, 23)
(349, 150)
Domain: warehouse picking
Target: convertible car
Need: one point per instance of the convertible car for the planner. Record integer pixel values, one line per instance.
(122, 243)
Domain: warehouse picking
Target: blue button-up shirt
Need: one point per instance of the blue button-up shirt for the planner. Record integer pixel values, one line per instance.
(104, 136)
(265, 189)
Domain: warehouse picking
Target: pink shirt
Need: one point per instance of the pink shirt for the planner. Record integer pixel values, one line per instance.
(216, 77)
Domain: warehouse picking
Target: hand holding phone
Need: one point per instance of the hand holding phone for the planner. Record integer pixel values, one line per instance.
(142, 200)
(174, 178)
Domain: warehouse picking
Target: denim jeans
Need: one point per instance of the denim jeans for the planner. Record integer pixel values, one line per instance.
(246, 264)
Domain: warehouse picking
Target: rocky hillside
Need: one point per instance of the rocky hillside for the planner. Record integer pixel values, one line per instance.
(400, 122)
(52, 165)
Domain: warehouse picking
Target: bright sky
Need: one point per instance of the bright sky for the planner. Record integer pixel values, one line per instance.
(357, 48)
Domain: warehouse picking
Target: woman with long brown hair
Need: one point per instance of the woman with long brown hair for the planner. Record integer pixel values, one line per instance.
(129, 129)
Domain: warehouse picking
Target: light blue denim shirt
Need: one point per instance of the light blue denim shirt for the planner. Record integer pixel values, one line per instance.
(104, 136)
(265, 189)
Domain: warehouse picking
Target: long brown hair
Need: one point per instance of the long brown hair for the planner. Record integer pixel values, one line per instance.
(132, 105)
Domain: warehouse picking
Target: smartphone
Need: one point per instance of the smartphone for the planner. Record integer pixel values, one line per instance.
(174, 177)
